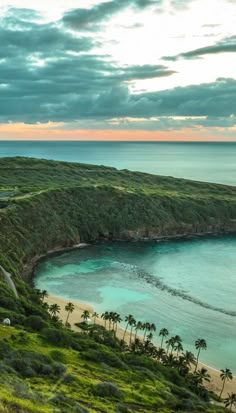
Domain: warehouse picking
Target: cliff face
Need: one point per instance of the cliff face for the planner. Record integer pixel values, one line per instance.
(56, 205)
(61, 218)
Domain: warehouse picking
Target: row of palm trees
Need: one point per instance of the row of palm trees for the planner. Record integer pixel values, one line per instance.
(173, 354)
(173, 345)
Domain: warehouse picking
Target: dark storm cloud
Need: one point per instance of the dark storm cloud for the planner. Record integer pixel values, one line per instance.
(89, 19)
(66, 86)
(226, 45)
(214, 99)
(44, 39)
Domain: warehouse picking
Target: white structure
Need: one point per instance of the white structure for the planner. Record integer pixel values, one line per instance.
(7, 321)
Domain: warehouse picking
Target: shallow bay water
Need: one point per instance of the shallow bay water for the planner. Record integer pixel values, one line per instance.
(187, 286)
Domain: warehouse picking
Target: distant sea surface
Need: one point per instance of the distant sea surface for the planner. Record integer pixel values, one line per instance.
(202, 161)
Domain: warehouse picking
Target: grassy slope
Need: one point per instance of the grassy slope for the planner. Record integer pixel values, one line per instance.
(145, 385)
(55, 203)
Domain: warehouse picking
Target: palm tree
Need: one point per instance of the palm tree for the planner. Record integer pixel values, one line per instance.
(138, 326)
(160, 353)
(147, 327)
(136, 345)
(178, 347)
(54, 309)
(95, 316)
(105, 316)
(69, 308)
(149, 337)
(225, 374)
(163, 333)
(200, 344)
(132, 325)
(110, 319)
(230, 401)
(185, 361)
(43, 294)
(85, 315)
(170, 360)
(149, 348)
(152, 327)
(118, 320)
(170, 344)
(177, 339)
(129, 319)
(202, 375)
(188, 358)
(45, 305)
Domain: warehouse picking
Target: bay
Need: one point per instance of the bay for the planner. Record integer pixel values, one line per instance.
(187, 286)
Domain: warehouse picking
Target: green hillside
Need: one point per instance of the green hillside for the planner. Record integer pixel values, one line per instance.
(46, 205)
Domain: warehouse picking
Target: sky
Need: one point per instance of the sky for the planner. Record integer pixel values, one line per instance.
(118, 69)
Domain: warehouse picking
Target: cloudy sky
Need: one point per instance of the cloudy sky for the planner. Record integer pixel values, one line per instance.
(119, 69)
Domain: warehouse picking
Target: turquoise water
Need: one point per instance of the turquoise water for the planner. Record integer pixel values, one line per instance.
(187, 286)
(213, 162)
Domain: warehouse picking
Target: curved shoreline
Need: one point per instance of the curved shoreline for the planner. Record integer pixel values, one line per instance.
(215, 384)
(29, 267)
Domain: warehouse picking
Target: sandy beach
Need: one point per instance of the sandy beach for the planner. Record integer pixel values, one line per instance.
(215, 384)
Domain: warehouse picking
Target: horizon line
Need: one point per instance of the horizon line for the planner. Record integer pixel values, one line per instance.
(123, 140)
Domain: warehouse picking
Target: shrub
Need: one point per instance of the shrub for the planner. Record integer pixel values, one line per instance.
(35, 323)
(58, 369)
(107, 389)
(122, 408)
(58, 337)
(31, 363)
(59, 398)
(21, 390)
(57, 355)
(5, 349)
(103, 356)
(68, 378)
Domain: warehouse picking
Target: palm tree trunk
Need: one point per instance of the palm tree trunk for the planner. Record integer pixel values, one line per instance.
(145, 332)
(130, 338)
(222, 387)
(197, 359)
(125, 331)
(67, 318)
(162, 341)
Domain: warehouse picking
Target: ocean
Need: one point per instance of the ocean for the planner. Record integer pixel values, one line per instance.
(202, 161)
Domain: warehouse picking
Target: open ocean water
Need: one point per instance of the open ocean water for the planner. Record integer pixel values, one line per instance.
(202, 161)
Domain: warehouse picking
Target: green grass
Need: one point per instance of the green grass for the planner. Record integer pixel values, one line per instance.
(142, 390)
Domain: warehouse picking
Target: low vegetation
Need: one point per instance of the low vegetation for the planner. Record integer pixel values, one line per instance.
(46, 367)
